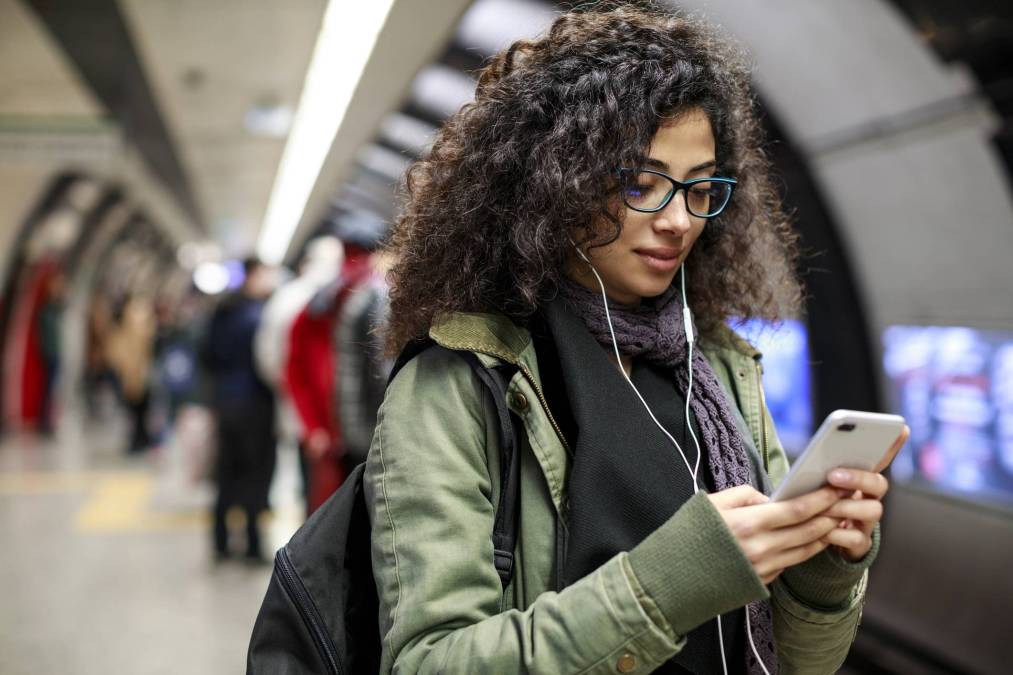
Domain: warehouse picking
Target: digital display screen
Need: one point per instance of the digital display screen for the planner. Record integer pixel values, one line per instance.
(955, 388)
(786, 379)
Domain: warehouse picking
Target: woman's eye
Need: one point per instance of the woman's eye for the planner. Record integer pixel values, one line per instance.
(638, 190)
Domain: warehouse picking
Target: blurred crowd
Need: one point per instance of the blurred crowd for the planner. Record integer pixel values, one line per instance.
(283, 358)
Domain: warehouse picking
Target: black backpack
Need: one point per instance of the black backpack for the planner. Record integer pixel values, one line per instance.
(320, 613)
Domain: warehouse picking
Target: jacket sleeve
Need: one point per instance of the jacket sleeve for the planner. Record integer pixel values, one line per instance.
(442, 607)
(817, 605)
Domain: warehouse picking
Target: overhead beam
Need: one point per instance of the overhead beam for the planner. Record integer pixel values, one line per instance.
(96, 40)
(413, 36)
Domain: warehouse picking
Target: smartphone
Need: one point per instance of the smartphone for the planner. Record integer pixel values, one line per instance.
(847, 438)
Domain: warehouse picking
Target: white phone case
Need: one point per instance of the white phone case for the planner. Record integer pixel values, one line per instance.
(847, 438)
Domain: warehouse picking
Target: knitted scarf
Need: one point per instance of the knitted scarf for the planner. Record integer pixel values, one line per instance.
(653, 332)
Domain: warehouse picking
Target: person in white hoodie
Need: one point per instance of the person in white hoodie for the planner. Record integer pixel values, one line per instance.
(320, 267)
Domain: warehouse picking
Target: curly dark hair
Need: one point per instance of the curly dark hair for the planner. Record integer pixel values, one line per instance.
(527, 165)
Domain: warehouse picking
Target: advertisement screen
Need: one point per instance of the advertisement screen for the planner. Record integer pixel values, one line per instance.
(785, 349)
(955, 388)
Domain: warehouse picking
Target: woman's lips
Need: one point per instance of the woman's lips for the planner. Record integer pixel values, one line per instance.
(659, 259)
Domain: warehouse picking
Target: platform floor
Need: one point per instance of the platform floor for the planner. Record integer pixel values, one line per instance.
(108, 565)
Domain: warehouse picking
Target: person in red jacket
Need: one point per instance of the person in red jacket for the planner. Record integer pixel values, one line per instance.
(311, 363)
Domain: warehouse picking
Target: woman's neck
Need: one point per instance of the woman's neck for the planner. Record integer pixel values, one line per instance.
(581, 274)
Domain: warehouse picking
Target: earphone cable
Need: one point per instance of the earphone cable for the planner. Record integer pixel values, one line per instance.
(687, 320)
(749, 635)
(615, 346)
(690, 339)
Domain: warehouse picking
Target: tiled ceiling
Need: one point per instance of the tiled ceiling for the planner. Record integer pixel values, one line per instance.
(37, 81)
(211, 65)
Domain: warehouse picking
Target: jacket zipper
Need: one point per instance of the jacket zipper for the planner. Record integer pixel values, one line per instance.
(297, 592)
(763, 421)
(545, 407)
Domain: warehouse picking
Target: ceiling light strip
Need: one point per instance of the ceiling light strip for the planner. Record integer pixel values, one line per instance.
(347, 36)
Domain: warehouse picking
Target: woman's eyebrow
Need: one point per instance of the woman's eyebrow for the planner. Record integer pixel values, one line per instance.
(705, 165)
(662, 166)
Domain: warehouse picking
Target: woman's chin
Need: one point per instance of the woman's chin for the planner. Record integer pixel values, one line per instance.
(633, 294)
(654, 287)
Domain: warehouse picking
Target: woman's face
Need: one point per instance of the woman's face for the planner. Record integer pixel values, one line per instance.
(643, 261)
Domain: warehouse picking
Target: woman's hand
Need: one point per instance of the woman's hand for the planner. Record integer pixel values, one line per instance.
(777, 535)
(862, 508)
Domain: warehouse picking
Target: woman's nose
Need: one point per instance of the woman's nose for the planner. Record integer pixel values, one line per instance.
(674, 217)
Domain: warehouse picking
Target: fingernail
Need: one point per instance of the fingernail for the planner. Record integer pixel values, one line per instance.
(840, 474)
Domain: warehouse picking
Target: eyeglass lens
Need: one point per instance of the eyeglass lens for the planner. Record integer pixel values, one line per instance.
(646, 191)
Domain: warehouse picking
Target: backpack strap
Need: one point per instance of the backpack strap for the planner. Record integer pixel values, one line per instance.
(495, 380)
(504, 533)
(409, 352)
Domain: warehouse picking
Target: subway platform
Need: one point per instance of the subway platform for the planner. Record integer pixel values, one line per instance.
(108, 567)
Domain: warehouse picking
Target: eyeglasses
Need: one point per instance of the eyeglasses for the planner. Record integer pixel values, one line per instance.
(650, 191)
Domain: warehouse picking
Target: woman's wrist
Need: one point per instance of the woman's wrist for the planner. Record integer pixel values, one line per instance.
(693, 569)
(827, 581)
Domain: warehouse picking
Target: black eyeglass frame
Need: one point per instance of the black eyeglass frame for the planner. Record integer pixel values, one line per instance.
(677, 186)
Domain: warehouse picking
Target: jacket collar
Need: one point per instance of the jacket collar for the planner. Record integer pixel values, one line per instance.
(498, 336)
(494, 337)
(490, 334)
(723, 337)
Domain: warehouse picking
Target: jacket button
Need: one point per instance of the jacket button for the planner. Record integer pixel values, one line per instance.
(520, 401)
(627, 663)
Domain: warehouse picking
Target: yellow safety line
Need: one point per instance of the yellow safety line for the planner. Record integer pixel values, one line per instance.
(117, 501)
(121, 504)
(48, 482)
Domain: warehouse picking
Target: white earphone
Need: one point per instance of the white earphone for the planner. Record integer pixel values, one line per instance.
(687, 322)
(615, 345)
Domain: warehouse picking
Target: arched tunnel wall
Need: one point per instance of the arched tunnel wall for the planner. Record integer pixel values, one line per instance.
(899, 146)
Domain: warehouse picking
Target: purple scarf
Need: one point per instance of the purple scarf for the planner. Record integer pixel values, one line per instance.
(654, 331)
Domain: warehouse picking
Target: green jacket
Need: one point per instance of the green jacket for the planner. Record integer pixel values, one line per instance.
(432, 480)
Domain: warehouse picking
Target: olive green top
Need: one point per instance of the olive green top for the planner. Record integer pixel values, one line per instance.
(432, 483)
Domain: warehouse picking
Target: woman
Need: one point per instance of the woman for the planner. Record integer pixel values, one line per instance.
(567, 187)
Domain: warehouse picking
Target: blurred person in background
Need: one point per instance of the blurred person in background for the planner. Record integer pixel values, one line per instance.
(128, 351)
(193, 428)
(176, 345)
(98, 375)
(362, 365)
(244, 410)
(312, 363)
(320, 267)
(50, 323)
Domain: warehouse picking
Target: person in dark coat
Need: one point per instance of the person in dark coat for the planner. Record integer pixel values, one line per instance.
(244, 408)
(50, 322)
